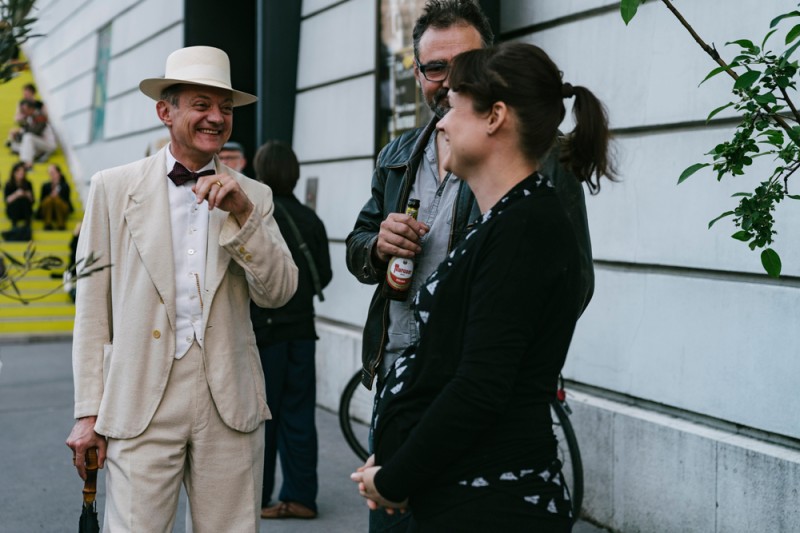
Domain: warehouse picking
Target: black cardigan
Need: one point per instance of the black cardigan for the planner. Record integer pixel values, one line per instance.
(498, 331)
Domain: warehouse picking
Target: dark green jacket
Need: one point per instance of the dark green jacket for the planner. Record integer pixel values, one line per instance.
(394, 174)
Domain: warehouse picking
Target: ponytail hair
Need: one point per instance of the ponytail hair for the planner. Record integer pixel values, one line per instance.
(586, 150)
(525, 78)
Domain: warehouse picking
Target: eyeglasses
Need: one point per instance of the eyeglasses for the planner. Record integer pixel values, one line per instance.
(435, 70)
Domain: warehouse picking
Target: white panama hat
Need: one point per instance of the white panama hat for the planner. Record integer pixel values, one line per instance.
(196, 65)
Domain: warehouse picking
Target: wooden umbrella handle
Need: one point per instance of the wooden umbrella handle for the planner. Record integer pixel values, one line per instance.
(90, 485)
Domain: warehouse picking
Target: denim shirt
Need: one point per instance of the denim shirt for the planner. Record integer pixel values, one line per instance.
(436, 201)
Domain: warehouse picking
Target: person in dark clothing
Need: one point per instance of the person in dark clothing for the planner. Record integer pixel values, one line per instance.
(18, 194)
(411, 166)
(463, 435)
(55, 204)
(286, 340)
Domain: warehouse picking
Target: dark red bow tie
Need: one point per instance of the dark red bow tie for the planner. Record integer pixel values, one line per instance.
(180, 174)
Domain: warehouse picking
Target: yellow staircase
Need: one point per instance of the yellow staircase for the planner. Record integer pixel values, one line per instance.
(53, 315)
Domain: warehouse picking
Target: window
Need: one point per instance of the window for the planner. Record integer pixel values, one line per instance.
(101, 82)
(400, 104)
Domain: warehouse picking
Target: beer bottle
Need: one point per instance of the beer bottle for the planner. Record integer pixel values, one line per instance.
(400, 269)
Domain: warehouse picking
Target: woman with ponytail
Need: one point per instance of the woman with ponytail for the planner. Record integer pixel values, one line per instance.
(465, 438)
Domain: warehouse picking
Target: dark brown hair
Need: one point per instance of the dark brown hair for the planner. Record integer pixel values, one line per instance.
(525, 78)
(14, 168)
(443, 14)
(276, 165)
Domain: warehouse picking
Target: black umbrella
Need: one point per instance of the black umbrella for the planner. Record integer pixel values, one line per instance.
(88, 522)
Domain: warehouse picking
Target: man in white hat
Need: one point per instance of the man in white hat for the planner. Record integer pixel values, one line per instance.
(168, 383)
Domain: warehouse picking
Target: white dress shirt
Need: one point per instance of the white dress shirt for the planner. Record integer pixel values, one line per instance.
(189, 223)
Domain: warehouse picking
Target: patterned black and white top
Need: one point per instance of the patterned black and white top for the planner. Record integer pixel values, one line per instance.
(467, 413)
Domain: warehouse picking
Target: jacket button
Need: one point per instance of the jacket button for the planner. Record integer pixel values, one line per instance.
(156, 334)
(248, 257)
(242, 249)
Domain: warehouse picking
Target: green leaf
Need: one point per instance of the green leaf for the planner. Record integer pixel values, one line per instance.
(723, 215)
(766, 98)
(771, 262)
(713, 73)
(777, 19)
(745, 194)
(793, 34)
(743, 236)
(747, 79)
(691, 170)
(12, 259)
(793, 196)
(628, 9)
(767, 36)
(746, 44)
(788, 53)
(717, 110)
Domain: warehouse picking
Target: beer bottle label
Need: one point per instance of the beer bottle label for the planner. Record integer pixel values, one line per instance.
(399, 273)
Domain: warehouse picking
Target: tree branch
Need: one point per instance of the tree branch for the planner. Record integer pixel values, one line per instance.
(710, 50)
(790, 104)
(786, 177)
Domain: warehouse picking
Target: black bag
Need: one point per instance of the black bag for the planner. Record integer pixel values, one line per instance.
(18, 234)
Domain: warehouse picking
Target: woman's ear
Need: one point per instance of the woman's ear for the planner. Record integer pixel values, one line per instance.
(498, 115)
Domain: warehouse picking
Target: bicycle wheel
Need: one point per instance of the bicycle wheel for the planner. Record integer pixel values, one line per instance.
(569, 454)
(355, 412)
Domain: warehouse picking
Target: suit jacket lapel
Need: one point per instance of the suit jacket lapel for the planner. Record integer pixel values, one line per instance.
(148, 220)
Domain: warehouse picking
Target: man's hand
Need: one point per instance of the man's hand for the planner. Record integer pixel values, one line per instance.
(365, 477)
(224, 192)
(81, 438)
(399, 237)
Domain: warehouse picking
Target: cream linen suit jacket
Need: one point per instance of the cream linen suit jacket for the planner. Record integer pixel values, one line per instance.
(124, 337)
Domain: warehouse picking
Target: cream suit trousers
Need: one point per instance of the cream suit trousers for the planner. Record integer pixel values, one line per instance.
(185, 442)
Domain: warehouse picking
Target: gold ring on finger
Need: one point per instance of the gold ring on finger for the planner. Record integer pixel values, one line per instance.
(219, 182)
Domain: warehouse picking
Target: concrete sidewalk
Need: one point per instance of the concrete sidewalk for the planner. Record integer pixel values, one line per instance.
(40, 490)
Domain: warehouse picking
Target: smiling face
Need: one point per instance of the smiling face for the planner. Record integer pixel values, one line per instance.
(19, 173)
(55, 176)
(464, 131)
(233, 158)
(440, 46)
(199, 125)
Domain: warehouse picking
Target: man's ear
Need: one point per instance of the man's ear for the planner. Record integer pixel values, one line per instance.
(162, 109)
(498, 115)
(417, 73)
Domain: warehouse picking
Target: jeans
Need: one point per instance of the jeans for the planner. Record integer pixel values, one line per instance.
(289, 372)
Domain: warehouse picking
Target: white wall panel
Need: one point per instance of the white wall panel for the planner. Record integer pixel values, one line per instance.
(132, 112)
(346, 300)
(145, 61)
(648, 72)
(75, 96)
(76, 128)
(51, 17)
(312, 6)
(516, 14)
(147, 18)
(720, 348)
(77, 61)
(648, 218)
(337, 43)
(342, 190)
(108, 154)
(75, 21)
(336, 121)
